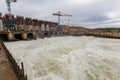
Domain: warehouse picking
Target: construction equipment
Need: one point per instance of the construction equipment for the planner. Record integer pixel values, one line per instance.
(8, 5)
(10, 22)
(60, 14)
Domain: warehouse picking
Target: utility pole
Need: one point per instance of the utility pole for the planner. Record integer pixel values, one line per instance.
(60, 14)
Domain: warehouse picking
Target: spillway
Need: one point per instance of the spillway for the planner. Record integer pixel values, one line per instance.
(68, 58)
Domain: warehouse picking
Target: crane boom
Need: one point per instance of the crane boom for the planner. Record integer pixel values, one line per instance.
(64, 14)
(60, 14)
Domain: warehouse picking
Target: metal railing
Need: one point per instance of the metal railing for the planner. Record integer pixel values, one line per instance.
(18, 71)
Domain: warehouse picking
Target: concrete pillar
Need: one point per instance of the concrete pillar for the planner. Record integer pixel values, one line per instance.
(58, 33)
(24, 36)
(28, 27)
(34, 35)
(22, 27)
(42, 34)
(115, 35)
(37, 28)
(43, 27)
(119, 35)
(19, 27)
(54, 33)
(47, 28)
(10, 36)
(48, 33)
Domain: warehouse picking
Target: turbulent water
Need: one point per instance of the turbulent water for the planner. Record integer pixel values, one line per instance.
(69, 58)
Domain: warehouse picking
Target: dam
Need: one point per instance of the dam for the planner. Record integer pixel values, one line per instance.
(40, 52)
(38, 49)
(44, 53)
(81, 41)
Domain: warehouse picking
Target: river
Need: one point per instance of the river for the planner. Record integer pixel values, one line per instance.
(68, 58)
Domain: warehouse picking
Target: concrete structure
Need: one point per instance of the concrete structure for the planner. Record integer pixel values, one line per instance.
(6, 71)
(28, 28)
(25, 28)
(9, 69)
(76, 31)
(80, 31)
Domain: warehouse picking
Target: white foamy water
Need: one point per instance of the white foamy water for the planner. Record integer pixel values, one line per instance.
(69, 58)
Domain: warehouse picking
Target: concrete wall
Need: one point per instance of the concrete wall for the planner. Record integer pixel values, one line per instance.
(27, 24)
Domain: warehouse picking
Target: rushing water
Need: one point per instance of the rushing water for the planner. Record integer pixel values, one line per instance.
(69, 58)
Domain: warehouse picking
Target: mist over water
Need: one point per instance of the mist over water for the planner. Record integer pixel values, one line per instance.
(69, 58)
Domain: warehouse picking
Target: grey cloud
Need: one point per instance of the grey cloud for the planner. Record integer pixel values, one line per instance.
(43, 9)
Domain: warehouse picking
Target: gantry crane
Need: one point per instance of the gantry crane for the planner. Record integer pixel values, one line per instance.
(10, 22)
(8, 5)
(60, 14)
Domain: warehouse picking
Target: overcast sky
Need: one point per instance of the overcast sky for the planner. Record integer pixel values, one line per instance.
(85, 12)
